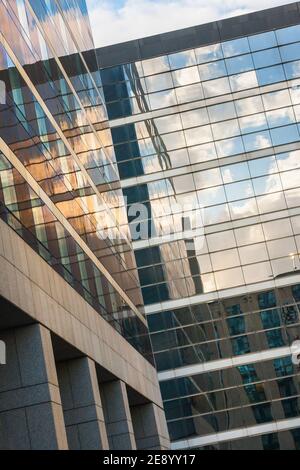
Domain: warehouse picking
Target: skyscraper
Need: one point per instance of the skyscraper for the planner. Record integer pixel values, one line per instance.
(79, 370)
(205, 127)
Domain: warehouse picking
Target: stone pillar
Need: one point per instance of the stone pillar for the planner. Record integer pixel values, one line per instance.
(150, 427)
(117, 416)
(82, 405)
(31, 415)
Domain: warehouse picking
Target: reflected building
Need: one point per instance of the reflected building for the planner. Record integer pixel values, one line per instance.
(209, 117)
(80, 371)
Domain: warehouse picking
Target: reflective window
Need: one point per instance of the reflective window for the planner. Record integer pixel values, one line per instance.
(236, 172)
(197, 117)
(254, 123)
(239, 190)
(267, 184)
(207, 178)
(257, 141)
(292, 69)
(202, 153)
(283, 135)
(226, 129)
(290, 52)
(277, 99)
(229, 259)
(249, 106)
(262, 41)
(212, 70)
(162, 99)
(221, 112)
(157, 65)
(270, 75)
(288, 161)
(211, 196)
(159, 82)
(168, 123)
(287, 35)
(182, 59)
(216, 87)
(280, 117)
(185, 76)
(230, 147)
(266, 58)
(209, 53)
(262, 166)
(189, 93)
(243, 81)
(239, 64)
(235, 47)
(198, 135)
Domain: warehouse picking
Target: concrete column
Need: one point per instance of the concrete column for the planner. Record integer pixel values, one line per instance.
(150, 427)
(82, 405)
(117, 416)
(31, 415)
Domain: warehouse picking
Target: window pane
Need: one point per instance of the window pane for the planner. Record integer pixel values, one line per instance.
(248, 235)
(266, 58)
(216, 87)
(168, 124)
(209, 53)
(189, 93)
(267, 184)
(194, 118)
(249, 106)
(288, 161)
(290, 52)
(262, 41)
(286, 35)
(239, 64)
(280, 117)
(254, 123)
(198, 135)
(162, 99)
(253, 253)
(202, 153)
(211, 196)
(277, 229)
(239, 190)
(230, 147)
(226, 129)
(186, 76)
(235, 47)
(284, 135)
(159, 82)
(238, 172)
(257, 141)
(292, 69)
(270, 75)
(243, 81)
(221, 112)
(263, 166)
(182, 59)
(157, 65)
(207, 178)
(229, 278)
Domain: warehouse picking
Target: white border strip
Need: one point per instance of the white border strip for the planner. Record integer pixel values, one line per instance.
(251, 431)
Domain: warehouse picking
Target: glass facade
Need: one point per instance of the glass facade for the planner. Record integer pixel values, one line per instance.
(216, 129)
(59, 185)
(169, 187)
